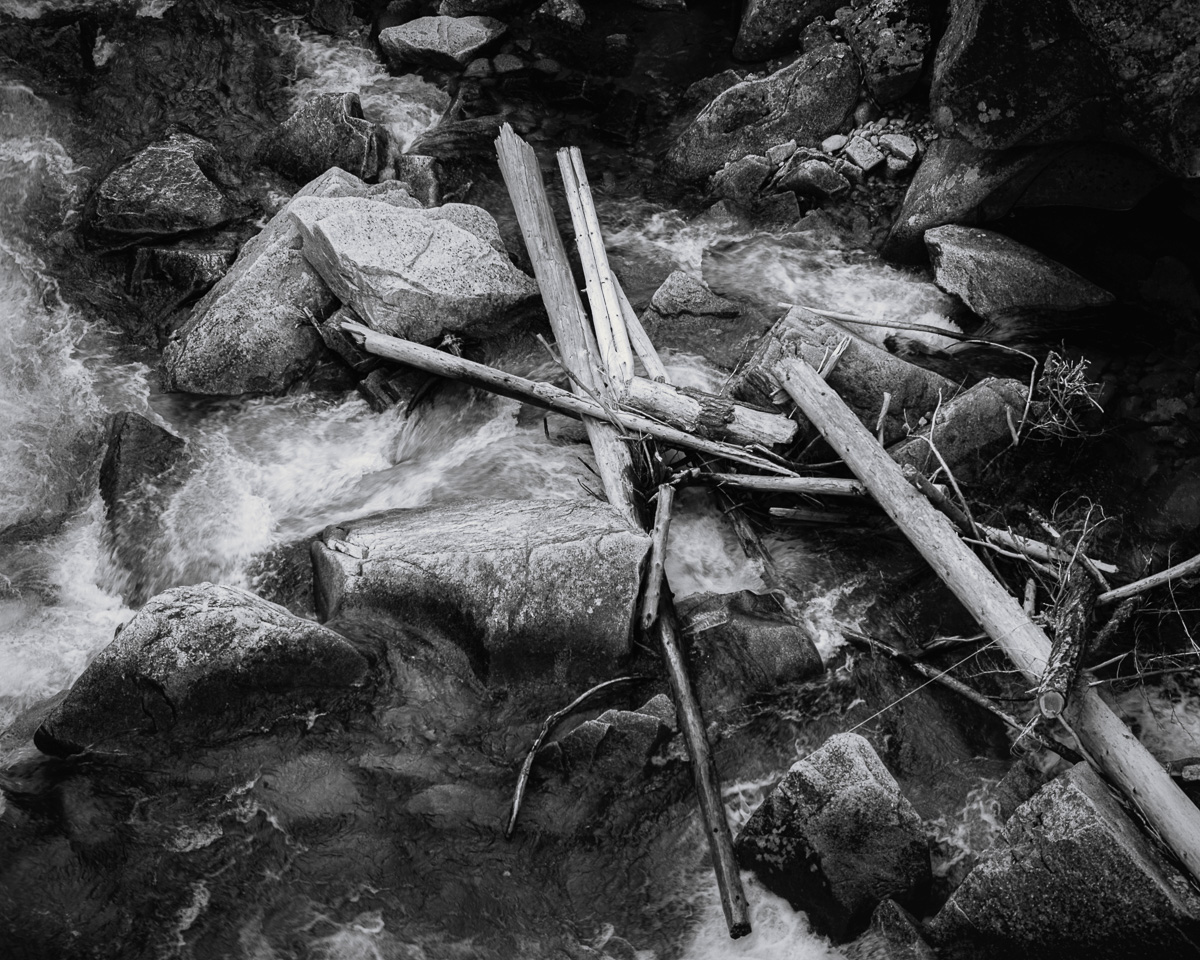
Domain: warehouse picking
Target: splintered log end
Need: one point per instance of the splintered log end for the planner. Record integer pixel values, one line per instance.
(1051, 704)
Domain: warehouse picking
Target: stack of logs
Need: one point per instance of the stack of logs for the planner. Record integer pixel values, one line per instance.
(616, 406)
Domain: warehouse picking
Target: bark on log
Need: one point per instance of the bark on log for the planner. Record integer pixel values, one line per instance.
(523, 177)
(707, 415)
(552, 398)
(1103, 736)
(658, 553)
(1072, 623)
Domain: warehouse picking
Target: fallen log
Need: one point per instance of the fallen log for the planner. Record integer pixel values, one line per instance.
(1038, 550)
(642, 345)
(1105, 739)
(550, 397)
(1150, 582)
(706, 414)
(1072, 623)
(811, 486)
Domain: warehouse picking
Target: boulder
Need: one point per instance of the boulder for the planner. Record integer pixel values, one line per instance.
(163, 191)
(894, 934)
(164, 278)
(563, 13)
(810, 177)
(862, 375)
(449, 43)
(742, 179)
(413, 273)
(328, 131)
(544, 587)
(805, 101)
(993, 274)
(142, 465)
(771, 28)
(836, 837)
(616, 746)
(742, 646)
(1034, 72)
(253, 331)
(205, 664)
(1071, 875)
(891, 39)
(684, 315)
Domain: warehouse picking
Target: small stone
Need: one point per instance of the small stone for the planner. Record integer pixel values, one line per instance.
(835, 143)
(779, 154)
(896, 168)
(505, 63)
(811, 177)
(566, 12)
(547, 66)
(898, 145)
(479, 67)
(865, 156)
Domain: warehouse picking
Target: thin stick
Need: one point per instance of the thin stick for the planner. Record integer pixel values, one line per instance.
(1100, 732)
(1149, 583)
(658, 552)
(810, 486)
(547, 725)
(546, 395)
(953, 683)
(1038, 550)
(638, 338)
(1030, 604)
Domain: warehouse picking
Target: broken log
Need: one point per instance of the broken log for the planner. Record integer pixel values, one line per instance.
(1072, 623)
(706, 414)
(1101, 733)
(551, 398)
(658, 553)
(523, 178)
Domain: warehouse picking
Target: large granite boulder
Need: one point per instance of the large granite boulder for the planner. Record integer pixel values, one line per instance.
(253, 332)
(543, 587)
(205, 664)
(836, 837)
(891, 39)
(805, 101)
(165, 190)
(413, 273)
(446, 42)
(1055, 71)
(770, 28)
(992, 274)
(1072, 875)
(328, 131)
(142, 465)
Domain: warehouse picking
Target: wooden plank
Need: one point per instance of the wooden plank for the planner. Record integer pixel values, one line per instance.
(1102, 735)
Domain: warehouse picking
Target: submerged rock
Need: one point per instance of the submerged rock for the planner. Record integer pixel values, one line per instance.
(1072, 876)
(891, 39)
(836, 837)
(770, 28)
(205, 664)
(805, 101)
(328, 131)
(547, 587)
(993, 274)
(253, 331)
(616, 746)
(446, 42)
(413, 273)
(163, 191)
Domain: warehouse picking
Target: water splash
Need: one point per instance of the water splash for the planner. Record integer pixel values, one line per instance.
(406, 105)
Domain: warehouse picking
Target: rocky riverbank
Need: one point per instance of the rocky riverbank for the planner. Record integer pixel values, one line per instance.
(315, 754)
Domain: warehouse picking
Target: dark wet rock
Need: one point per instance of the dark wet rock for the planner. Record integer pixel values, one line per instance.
(205, 663)
(810, 176)
(969, 428)
(959, 183)
(615, 747)
(742, 646)
(165, 190)
(685, 315)
(836, 837)
(412, 272)
(463, 8)
(567, 13)
(384, 388)
(891, 39)
(742, 179)
(1173, 503)
(335, 17)
(547, 587)
(344, 345)
(1073, 875)
(770, 28)
(1035, 73)
(165, 278)
(620, 120)
(993, 274)
(143, 465)
(805, 101)
(1098, 175)
(253, 331)
(861, 377)
(328, 131)
(894, 934)
(455, 139)
(446, 42)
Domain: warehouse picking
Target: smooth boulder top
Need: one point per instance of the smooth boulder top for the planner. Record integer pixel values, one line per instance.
(413, 273)
(205, 663)
(543, 586)
(447, 42)
(993, 274)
